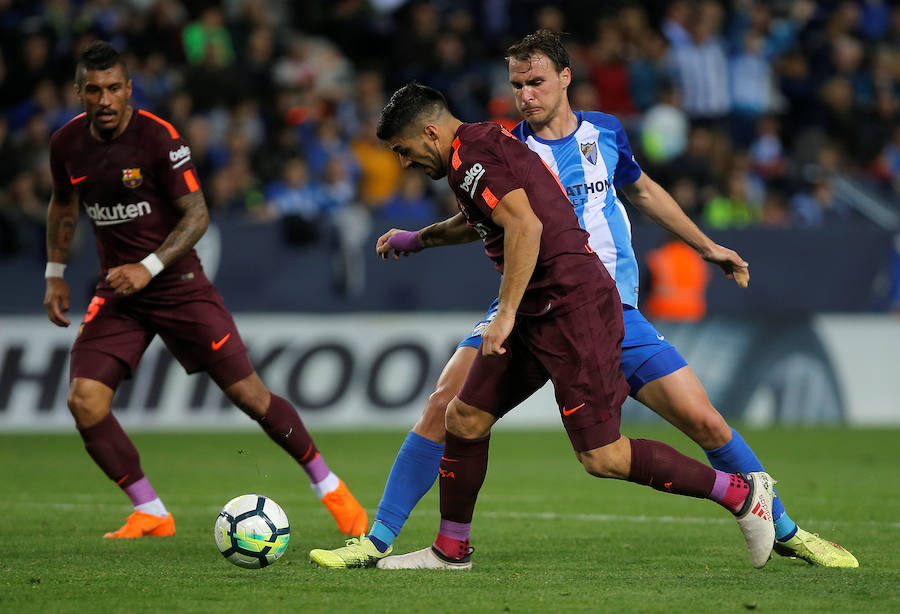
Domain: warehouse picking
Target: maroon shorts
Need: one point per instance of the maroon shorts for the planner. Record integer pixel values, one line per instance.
(579, 352)
(193, 323)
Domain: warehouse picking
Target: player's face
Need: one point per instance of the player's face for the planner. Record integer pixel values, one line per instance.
(538, 88)
(417, 149)
(105, 95)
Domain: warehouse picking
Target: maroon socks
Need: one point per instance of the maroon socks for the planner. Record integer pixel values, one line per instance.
(112, 450)
(462, 471)
(283, 426)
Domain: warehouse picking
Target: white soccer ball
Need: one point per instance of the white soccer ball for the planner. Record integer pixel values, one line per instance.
(252, 531)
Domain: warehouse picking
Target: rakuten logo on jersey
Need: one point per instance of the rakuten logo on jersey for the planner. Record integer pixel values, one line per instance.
(470, 181)
(183, 153)
(116, 214)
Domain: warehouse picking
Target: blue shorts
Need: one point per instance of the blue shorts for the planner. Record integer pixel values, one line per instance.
(646, 355)
(474, 338)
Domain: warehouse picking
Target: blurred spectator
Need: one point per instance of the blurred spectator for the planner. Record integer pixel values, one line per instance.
(817, 206)
(152, 82)
(799, 88)
(502, 110)
(609, 71)
(410, 202)
(700, 67)
(646, 69)
(461, 80)
(350, 224)
(696, 162)
(752, 94)
(664, 131)
(379, 167)
(329, 143)
(298, 200)
(685, 193)
(207, 40)
(841, 119)
(732, 209)
(678, 277)
(256, 62)
(775, 213)
(675, 23)
(766, 151)
(892, 160)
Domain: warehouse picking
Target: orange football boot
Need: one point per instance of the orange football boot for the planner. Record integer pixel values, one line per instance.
(350, 516)
(140, 524)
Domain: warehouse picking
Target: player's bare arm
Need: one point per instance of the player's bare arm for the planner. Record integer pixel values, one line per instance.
(130, 278)
(521, 244)
(656, 203)
(452, 231)
(62, 216)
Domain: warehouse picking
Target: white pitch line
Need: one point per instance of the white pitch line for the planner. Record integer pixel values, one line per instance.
(551, 516)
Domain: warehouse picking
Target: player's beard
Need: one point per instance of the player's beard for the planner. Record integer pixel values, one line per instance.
(106, 130)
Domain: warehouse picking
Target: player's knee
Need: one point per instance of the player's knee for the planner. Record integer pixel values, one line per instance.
(251, 402)
(597, 465)
(610, 461)
(432, 422)
(711, 431)
(466, 421)
(84, 408)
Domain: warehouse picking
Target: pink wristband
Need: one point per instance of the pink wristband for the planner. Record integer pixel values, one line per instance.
(406, 241)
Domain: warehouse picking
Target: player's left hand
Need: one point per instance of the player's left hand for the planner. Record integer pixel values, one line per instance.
(731, 263)
(128, 278)
(496, 333)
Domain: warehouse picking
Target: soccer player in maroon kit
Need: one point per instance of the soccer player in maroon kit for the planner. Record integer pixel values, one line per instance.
(133, 174)
(559, 319)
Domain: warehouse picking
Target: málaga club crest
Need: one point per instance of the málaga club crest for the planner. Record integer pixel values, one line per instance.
(589, 151)
(131, 177)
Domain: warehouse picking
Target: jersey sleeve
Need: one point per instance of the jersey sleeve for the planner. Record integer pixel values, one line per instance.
(501, 172)
(62, 186)
(627, 170)
(172, 160)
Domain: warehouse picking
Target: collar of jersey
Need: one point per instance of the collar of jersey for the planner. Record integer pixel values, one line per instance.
(560, 141)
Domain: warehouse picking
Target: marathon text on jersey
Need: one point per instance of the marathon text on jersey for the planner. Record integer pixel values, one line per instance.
(116, 214)
(582, 192)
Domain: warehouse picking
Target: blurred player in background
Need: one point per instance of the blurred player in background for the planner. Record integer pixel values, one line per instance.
(590, 153)
(559, 318)
(134, 175)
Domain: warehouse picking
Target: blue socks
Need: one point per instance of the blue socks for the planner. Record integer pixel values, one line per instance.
(415, 470)
(736, 456)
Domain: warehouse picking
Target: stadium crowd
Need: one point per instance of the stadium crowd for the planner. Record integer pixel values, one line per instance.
(744, 110)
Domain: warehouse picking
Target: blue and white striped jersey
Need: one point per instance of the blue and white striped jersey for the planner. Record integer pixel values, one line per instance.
(591, 163)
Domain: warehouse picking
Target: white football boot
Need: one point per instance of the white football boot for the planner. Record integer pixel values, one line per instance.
(755, 517)
(426, 558)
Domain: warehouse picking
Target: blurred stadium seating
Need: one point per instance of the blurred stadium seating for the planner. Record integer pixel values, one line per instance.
(795, 133)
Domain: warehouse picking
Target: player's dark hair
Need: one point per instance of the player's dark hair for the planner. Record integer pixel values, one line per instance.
(409, 103)
(543, 41)
(100, 55)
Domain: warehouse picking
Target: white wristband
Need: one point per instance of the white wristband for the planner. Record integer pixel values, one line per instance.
(54, 269)
(153, 264)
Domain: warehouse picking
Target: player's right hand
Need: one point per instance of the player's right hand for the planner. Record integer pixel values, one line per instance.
(496, 333)
(56, 300)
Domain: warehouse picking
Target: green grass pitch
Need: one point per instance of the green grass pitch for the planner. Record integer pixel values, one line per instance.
(549, 538)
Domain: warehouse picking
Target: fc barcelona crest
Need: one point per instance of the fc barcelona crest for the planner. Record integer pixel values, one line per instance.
(589, 151)
(131, 177)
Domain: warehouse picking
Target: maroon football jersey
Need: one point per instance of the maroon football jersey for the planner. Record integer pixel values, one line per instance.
(486, 163)
(127, 187)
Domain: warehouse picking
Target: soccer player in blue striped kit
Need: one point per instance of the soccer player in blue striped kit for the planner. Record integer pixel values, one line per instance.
(591, 155)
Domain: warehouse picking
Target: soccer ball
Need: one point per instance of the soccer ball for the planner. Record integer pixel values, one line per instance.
(252, 531)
